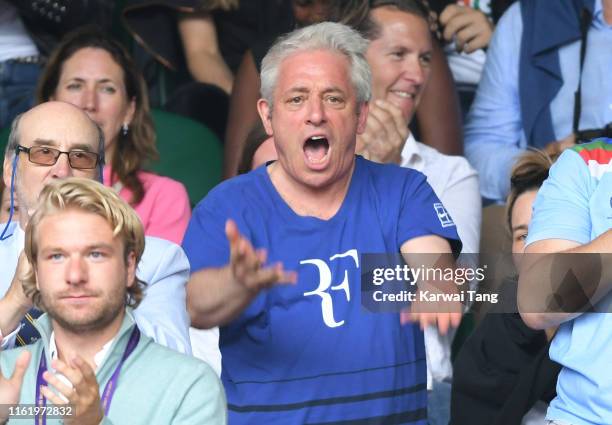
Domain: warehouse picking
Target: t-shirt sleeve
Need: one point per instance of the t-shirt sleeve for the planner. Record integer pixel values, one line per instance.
(422, 214)
(205, 242)
(561, 209)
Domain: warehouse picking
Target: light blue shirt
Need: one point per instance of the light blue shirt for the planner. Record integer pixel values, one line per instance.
(494, 135)
(162, 314)
(574, 204)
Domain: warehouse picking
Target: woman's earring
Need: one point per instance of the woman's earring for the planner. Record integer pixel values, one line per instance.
(125, 128)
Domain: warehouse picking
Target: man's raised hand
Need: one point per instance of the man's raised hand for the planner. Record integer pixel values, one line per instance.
(247, 264)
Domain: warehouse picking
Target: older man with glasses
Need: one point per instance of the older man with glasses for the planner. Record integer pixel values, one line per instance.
(33, 158)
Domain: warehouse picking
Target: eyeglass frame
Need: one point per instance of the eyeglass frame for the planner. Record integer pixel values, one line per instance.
(99, 159)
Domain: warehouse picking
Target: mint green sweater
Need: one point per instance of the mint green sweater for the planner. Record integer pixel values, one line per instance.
(156, 385)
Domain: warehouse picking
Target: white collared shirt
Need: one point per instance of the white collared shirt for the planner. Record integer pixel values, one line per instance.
(98, 358)
(54, 354)
(456, 184)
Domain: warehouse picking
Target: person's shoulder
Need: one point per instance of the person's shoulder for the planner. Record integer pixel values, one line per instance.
(385, 171)
(8, 357)
(598, 151)
(161, 252)
(511, 15)
(178, 365)
(456, 164)
(233, 191)
(158, 183)
(388, 177)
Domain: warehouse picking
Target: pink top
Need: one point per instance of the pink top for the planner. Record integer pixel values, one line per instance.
(164, 210)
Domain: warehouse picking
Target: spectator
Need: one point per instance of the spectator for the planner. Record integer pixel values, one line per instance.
(36, 143)
(399, 55)
(93, 72)
(502, 374)
(28, 31)
(202, 43)
(527, 93)
(466, 27)
(440, 104)
(295, 348)
(570, 223)
(84, 244)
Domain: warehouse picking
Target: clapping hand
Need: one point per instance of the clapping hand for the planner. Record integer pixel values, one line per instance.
(83, 395)
(385, 134)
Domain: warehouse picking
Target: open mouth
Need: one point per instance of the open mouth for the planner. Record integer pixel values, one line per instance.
(316, 149)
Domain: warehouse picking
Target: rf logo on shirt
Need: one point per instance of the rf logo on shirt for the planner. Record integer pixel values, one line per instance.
(325, 282)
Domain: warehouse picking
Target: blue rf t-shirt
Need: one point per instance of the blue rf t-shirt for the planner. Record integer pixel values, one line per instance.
(575, 203)
(309, 353)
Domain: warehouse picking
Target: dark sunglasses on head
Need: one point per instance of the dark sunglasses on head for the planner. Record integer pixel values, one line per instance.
(43, 155)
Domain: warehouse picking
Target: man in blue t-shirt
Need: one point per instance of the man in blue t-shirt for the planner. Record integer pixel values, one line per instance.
(275, 254)
(571, 216)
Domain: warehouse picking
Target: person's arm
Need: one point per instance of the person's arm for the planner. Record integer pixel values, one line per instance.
(12, 310)
(550, 285)
(215, 296)
(204, 61)
(242, 113)
(162, 314)
(419, 252)
(15, 304)
(427, 239)
(493, 128)
(439, 114)
(555, 288)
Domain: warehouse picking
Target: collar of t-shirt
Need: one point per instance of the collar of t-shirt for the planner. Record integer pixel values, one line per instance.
(411, 154)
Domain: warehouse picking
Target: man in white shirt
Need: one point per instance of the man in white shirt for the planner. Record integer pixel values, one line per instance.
(34, 157)
(399, 56)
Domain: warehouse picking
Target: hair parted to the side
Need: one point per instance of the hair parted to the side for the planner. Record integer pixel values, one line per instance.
(528, 173)
(324, 36)
(136, 147)
(86, 195)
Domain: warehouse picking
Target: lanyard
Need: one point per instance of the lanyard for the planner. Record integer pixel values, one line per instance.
(109, 389)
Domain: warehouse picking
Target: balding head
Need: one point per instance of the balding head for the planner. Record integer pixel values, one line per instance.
(47, 117)
(56, 125)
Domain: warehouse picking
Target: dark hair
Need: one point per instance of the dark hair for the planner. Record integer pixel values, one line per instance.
(370, 28)
(138, 145)
(348, 12)
(528, 173)
(253, 141)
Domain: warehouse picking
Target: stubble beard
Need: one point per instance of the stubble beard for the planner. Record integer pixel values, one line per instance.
(78, 323)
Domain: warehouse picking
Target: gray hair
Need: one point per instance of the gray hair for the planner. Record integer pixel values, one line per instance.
(325, 36)
(13, 139)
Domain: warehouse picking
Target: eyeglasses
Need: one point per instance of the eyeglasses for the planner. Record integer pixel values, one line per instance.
(42, 155)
